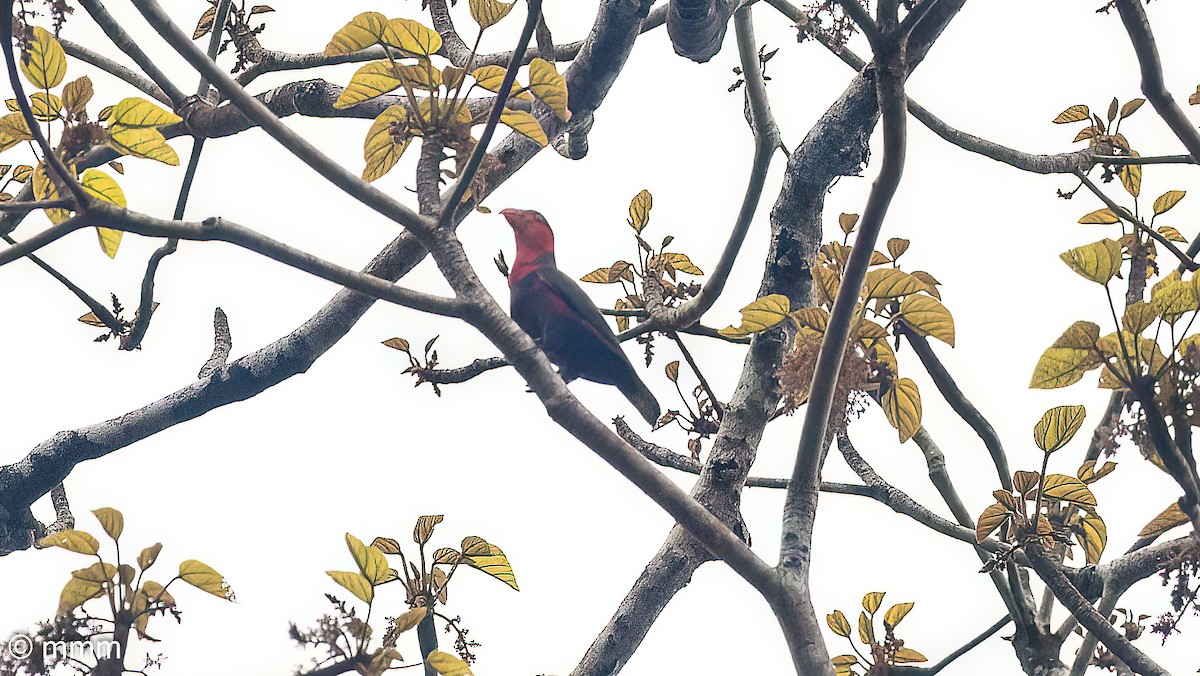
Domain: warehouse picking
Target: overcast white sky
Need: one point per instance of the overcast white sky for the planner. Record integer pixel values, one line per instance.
(264, 490)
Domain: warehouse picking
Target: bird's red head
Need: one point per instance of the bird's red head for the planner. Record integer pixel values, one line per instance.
(534, 239)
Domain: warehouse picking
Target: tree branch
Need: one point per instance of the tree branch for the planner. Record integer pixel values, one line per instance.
(126, 44)
(1137, 25)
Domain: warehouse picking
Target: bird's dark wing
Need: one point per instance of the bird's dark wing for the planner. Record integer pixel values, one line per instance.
(570, 293)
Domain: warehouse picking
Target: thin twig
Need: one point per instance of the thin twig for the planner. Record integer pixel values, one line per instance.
(1124, 214)
(102, 313)
(115, 69)
(450, 206)
(125, 43)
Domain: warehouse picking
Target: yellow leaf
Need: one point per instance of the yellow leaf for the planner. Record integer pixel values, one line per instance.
(1167, 200)
(45, 190)
(1167, 519)
(409, 620)
(98, 572)
(424, 528)
(1068, 489)
(1131, 107)
(386, 141)
(1089, 474)
(902, 405)
(1131, 176)
(1104, 216)
(896, 246)
(447, 664)
(77, 93)
(866, 632)
(878, 258)
(1057, 426)
(760, 315)
(1138, 316)
(639, 210)
(890, 283)
(525, 124)
(76, 593)
(872, 600)
(928, 317)
(45, 107)
(1097, 261)
(906, 655)
(72, 540)
(1172, 298)
(101, 186)
(411, 37)
(149, 555)
(482, 555)
(827, 283)
(815, 318)
(1077, 113)
(112, 521)
(148, 143)
(1093, 536)
(838, 623)
(355, 583)
(897, 613)
(1171, 234)
(138, 113)
(491, 77)
(47, 63)
(546, 84)
(681, 263)
(22, 173)
(488, 13)
(991, 519)
(370, 560)
(374, 79)
(844, 660)
(847, 222)
(204, 578)
(363, 31)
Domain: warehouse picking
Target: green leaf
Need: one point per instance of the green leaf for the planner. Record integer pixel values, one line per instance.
(760, 315)
(47, 63)
(1057, 426)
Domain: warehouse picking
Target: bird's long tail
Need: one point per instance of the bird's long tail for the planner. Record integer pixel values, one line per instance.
(642, 399)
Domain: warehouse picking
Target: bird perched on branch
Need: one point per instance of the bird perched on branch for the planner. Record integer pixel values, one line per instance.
(560, 317)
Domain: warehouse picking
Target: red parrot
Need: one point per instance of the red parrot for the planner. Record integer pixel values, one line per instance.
(560, 317)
